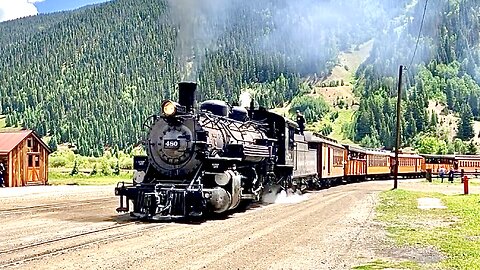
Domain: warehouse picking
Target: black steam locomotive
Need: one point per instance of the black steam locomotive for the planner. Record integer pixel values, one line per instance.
(210, 160)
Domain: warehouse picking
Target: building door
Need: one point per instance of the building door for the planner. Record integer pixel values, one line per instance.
(33, 174)
(4, 161)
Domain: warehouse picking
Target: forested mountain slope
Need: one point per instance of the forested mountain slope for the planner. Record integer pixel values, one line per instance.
(446, 69)
(93, 75)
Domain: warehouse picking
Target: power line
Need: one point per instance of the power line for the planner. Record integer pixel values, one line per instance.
(419, 33)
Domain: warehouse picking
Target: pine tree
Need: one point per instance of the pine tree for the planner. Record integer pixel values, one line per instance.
(116, 170)
(74, 169)
(473, 101)
(434, 120)
(465, 127)
(52, 144)
(411, 129)
(472, 148)
(94, 170)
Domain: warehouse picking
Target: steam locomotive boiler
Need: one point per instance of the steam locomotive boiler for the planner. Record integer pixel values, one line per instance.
(199, 162)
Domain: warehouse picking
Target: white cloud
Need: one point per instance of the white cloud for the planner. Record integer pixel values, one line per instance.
(13, 9)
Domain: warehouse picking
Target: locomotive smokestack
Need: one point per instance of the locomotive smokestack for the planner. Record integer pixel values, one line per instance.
(186, 94)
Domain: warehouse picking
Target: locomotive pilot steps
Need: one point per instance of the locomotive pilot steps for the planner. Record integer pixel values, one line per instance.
(212, 159)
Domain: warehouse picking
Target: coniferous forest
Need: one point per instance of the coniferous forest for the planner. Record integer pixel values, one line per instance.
(92, 76)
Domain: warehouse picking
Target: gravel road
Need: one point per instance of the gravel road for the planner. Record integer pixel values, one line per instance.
(78, 228)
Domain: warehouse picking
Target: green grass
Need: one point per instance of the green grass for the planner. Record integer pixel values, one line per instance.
(454, 231)
(3, 124)
(55, 178)
(456, 182)
(379, 264)
(2, 121)
(344, 117)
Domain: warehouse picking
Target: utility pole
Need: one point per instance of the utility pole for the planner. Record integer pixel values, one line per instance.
(397, 144)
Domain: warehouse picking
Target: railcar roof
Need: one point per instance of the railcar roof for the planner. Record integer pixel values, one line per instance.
(355, 148)
(438, 156)
(406, 155)
(377, 152)
(310, 137)
(467, 157)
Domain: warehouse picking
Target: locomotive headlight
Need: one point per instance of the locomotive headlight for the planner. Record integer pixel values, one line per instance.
(169, 108)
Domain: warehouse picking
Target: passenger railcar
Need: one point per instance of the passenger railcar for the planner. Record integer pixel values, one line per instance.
(433, 163)
(356, 163)
(468, 164)
(330, 159)
(378, 164)
(409, 165)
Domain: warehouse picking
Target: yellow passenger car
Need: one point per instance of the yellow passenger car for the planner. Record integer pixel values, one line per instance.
(378, 164)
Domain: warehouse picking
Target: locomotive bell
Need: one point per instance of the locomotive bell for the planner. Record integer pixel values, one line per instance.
(186, 94)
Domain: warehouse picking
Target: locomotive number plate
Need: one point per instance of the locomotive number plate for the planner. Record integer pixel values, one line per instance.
(171, 144)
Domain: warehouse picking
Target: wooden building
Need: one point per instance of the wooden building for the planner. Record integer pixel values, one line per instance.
(25, 157)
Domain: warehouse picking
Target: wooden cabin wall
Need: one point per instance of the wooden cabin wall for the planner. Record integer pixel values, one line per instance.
(18, 165)
(43, 165)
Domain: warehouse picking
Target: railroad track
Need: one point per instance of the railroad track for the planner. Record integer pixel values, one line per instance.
(49, 248)
(46, 207)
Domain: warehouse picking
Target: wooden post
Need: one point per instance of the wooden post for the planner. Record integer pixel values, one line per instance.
(399, 121)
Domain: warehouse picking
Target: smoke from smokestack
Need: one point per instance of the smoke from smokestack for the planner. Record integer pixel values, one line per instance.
(199, 24)
(245, 99)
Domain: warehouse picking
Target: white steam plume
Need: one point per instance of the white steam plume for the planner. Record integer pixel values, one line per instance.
(245, 99)
(275, 194)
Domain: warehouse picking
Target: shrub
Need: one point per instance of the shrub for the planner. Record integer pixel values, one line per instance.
(326, 130)
(313, 108)
(75, 169)
(94, 170)
(126, 163)
(334, 116)
(105, 168)
(116, 170)
(57, 161)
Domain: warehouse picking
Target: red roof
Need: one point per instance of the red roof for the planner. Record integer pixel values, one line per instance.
(9, 140)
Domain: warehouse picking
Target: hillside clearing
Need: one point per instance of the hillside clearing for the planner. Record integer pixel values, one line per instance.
(449, 122)
(344, 71)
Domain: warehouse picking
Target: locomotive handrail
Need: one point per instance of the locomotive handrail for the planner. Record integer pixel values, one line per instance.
(153, 116)
(197, 174)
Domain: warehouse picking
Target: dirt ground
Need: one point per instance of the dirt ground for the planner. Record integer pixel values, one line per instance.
(78, 228)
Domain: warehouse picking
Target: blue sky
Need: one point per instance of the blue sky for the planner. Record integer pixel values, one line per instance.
(49, 6)
(14, 9)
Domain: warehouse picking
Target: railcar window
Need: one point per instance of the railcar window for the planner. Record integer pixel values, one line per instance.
(337, 158)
